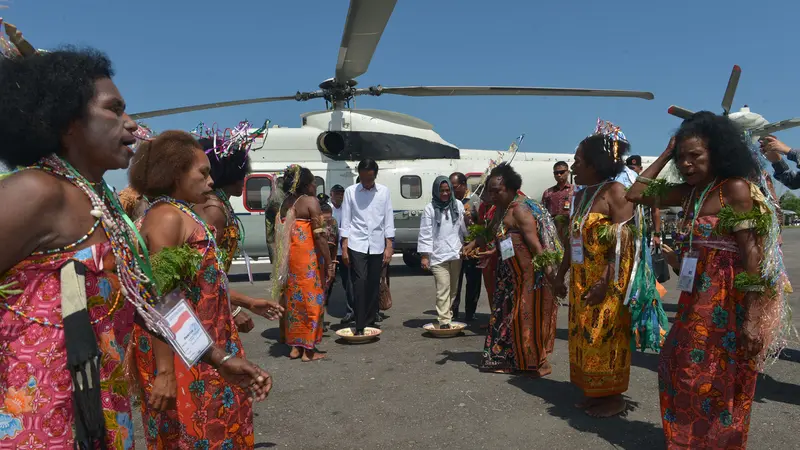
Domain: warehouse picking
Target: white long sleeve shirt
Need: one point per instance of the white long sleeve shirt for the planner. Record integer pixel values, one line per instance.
(337, 214)
(367, 218)
(442, 242)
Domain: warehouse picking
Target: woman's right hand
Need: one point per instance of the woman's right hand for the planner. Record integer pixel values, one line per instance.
(670, 147)
(164, 395)
(248, 376)
(426, 262)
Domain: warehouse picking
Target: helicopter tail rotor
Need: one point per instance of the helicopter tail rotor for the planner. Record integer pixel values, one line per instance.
(730, 91)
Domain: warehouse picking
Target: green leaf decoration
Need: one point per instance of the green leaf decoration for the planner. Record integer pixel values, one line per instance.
(174, 267)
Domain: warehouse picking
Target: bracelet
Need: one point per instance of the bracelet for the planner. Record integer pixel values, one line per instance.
(226, 358)
(657, 234)
(237, 311)
(643, 180)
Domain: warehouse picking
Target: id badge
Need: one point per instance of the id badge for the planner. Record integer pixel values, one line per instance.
(566, 205)
(688, 271)
(189, 339)
(506, 248)
(576, 249)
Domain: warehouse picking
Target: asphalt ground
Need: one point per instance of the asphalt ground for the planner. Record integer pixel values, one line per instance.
(408, 390)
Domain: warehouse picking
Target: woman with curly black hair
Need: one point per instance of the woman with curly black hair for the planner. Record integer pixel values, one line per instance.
(600, 259)
(726, 315)
(70, 283)
(300, 278)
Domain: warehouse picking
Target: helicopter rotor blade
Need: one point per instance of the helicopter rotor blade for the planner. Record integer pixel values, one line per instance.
(366, 20)
(445, 91)
(185, 109)
(730, 91)
(679, 112)
(775, 127)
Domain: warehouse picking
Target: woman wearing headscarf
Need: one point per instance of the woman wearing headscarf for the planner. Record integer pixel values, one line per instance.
(441, 235)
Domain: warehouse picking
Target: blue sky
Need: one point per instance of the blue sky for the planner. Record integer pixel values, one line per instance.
(179, 53)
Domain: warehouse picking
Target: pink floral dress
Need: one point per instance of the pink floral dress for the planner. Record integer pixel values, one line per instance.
(36, 410)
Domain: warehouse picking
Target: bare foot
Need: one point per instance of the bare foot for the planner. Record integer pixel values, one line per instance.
(295, 353)
(587, 402)
(608, 407)
(311, 355)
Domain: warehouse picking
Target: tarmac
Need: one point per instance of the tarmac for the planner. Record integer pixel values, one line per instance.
(409, 390)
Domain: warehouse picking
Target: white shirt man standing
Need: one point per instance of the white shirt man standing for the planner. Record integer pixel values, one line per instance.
(367, 230)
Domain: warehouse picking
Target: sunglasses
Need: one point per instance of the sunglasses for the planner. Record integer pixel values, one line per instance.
(560, 172)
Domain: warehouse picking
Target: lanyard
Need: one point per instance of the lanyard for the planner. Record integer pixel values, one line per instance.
(585, 208)
(697, 206)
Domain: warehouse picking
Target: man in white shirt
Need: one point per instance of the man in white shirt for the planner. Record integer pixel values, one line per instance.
(367, 230)
(337, 197)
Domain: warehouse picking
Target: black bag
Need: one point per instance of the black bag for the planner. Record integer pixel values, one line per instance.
(660, 266)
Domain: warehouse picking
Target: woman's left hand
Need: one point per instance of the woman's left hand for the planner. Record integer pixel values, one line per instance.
(247, 376)
(266, 308)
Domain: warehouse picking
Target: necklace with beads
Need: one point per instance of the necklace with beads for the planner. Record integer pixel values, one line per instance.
(187, 209)
(133, 270)
(230, 213)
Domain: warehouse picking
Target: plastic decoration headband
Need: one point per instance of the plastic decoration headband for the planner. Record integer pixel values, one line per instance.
(613, 136)
(512, 150)
(230, 140)
(15, 46)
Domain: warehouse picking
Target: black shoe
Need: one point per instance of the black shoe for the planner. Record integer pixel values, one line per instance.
(358, 333)
(469, 318)
(378, 318)
(444, 327)
(347, 319)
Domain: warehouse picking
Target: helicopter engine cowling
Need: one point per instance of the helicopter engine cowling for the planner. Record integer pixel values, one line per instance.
(330, 143)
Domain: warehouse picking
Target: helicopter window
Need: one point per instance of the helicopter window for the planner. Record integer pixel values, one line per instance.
(411, 186)
(256, 192)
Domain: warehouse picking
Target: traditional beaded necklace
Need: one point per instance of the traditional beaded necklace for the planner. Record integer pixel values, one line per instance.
(187, 209)
(133, 270)
(584, 208)
(690, 215)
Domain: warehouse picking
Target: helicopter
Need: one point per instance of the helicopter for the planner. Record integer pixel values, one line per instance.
(411, 154)
(754, 123)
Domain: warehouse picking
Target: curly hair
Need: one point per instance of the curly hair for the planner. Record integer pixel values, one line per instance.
(729, 152)
(511, 179)
(228, 170)
(596, 156)
(159, 163)
(306, 178)
(41, 96)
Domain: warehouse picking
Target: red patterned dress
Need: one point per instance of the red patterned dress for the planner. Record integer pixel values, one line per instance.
(706, 385)
(211, 413)
(36, 410)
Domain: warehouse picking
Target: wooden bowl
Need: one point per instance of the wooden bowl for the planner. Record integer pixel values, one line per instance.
(348, 334)
(455, 329)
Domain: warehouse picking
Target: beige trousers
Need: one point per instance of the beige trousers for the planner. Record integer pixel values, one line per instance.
(445, 275)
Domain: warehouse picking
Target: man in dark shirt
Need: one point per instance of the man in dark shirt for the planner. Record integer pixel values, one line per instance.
(469, 268)
(774, 150)
(557, 199)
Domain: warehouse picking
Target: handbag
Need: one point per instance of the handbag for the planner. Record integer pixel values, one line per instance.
(660, 266)
(385, 294)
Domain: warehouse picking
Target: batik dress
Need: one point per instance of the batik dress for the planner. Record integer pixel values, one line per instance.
(304, 293)
(36, 408)
(522, 327)
(231, 237)
(211, 413)
(706, 384)
(599, 336)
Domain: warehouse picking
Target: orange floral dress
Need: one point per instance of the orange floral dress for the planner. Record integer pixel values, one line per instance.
(706, 385)
(599, 336)
(304, 297)
(211, 413)
(36, 410)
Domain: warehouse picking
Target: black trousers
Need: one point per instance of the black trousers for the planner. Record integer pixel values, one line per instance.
(344, 273)
(365, 272)
(474, 275)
